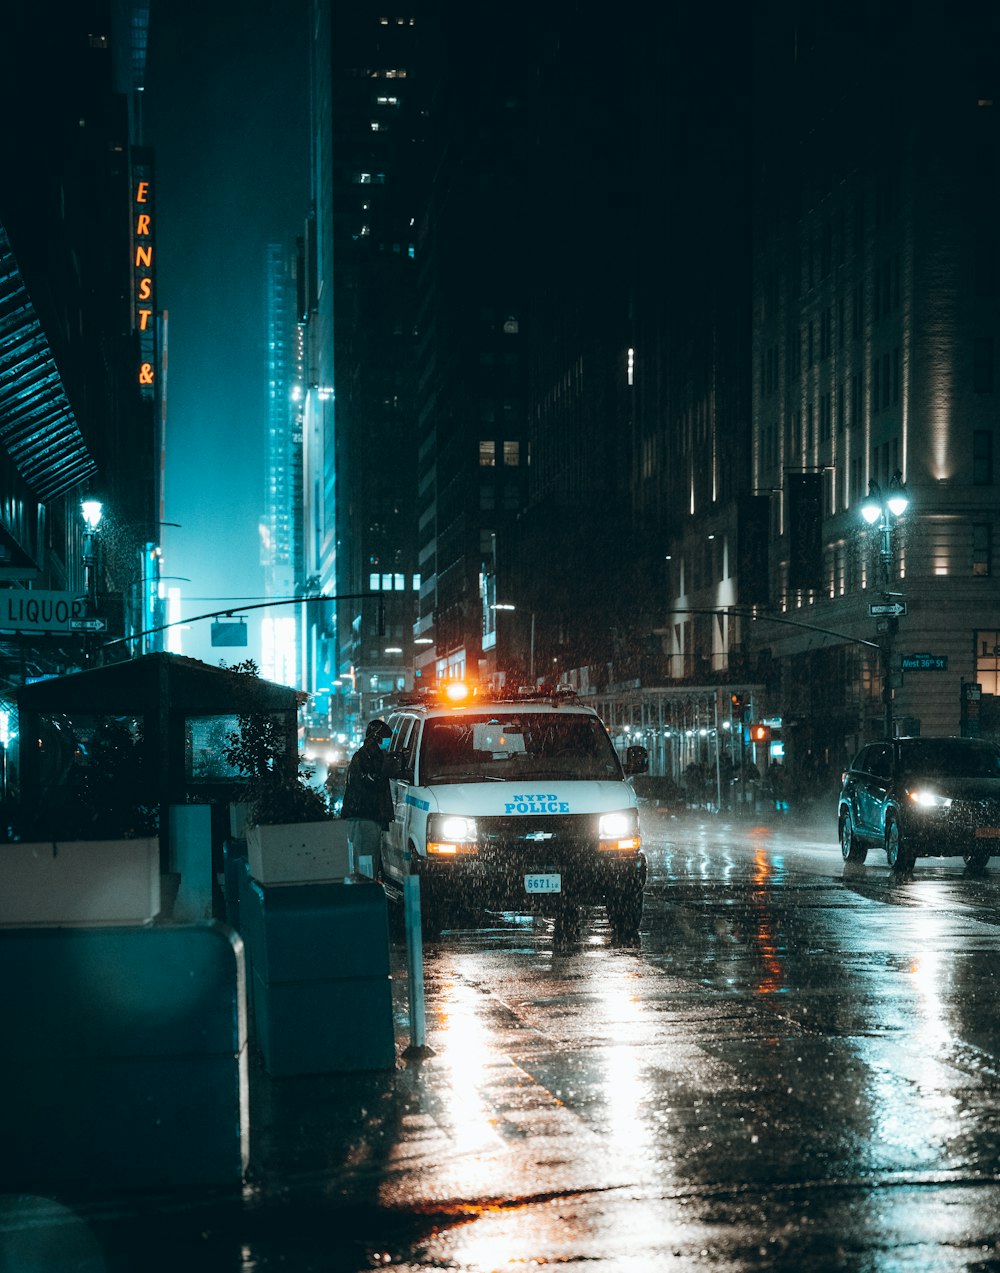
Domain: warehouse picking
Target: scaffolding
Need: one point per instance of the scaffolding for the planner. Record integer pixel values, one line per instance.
(690, 733)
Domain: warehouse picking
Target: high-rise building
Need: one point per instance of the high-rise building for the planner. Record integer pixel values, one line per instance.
(360, 425)
(875, 334)
(281, 527)
(474, 262)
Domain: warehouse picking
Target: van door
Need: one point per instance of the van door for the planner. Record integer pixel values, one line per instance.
(404, 733)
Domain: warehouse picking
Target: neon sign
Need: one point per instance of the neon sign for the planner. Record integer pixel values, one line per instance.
(143, 308)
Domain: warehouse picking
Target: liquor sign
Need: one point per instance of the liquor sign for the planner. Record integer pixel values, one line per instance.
(35, 611)
(143, 277)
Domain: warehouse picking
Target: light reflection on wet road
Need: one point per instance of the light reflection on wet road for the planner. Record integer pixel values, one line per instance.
(798, 1068)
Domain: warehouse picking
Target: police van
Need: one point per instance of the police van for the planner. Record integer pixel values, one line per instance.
(515, 804)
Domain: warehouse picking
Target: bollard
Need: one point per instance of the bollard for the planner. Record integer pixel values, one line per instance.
(415, 968)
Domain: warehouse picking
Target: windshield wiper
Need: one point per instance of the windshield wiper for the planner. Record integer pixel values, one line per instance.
(468, 776)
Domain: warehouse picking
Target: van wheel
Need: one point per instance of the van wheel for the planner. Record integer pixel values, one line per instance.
(625, 916)
(566, 928)
(976, 860)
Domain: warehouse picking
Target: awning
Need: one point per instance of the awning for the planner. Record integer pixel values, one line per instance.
(37, 427)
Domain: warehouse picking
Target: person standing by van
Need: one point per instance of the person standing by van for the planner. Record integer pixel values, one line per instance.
(367, 798)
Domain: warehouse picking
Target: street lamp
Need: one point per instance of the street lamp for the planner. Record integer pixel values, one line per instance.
(91, 510)
(881, 510)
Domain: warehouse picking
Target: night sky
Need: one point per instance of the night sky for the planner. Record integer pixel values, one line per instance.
(227, 112)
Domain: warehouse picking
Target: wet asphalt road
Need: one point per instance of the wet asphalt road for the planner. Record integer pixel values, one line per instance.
(798, 1069)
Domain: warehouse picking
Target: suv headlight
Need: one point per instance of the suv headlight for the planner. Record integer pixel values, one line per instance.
(449, 835)
(925, 799)
(619, 832)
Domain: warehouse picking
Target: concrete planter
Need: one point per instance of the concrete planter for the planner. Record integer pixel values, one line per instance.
(80, 882)
(297, 852)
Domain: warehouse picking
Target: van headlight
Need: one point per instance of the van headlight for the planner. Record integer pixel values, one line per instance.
(449, 835)
(619, 832)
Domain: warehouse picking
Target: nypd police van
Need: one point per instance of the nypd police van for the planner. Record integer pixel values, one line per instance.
(513, 805)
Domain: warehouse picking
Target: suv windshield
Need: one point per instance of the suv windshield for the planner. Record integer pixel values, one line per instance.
(490, 748)
(951, 758)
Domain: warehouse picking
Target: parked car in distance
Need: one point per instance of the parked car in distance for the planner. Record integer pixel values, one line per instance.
(922, 797)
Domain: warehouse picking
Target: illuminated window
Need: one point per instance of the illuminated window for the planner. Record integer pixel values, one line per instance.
(487, 454)
(416, 583)
(982, 536)
(988, 661)
(373, 583)
(387, 583)
(512, 453)
(399, 582)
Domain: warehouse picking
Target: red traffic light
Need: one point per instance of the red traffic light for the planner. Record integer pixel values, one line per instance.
(760, 733)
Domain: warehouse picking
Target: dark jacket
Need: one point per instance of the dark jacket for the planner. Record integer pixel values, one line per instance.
(367, 793)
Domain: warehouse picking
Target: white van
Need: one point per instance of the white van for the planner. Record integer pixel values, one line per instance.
(514, 805)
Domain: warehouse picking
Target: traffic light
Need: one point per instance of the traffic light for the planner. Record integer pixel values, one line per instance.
(760, 733)
(739, 708)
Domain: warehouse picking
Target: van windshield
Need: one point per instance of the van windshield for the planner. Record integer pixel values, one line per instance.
(487, 748)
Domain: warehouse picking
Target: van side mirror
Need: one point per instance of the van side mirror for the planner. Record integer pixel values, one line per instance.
(636, 760)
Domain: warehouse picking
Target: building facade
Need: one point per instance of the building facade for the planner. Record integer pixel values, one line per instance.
(874, 335)
(82, 342)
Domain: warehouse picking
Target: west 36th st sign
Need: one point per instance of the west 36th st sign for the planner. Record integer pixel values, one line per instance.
(33, 611)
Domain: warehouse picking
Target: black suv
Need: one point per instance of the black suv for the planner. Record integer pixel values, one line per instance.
(922, 797)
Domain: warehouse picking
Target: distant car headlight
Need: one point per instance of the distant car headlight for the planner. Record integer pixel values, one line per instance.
(925, 799)
(449, 835)
(619, 832)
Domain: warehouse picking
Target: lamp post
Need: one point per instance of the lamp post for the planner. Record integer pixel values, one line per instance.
(881, 510)
(91, 510)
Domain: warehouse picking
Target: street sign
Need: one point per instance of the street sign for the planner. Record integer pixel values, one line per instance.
(892, 608)
(32, 610)
(88, 625)
(925, 662)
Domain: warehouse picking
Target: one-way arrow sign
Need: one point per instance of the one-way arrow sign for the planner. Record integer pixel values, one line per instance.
(893, 609)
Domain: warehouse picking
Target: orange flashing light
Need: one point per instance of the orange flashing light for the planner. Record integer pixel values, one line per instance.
(631, 844)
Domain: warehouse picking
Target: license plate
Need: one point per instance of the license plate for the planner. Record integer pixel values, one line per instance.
(543, 883)
(987, 833)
